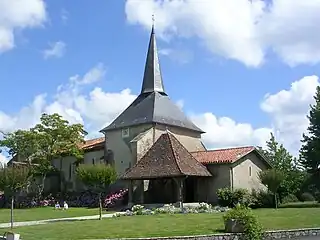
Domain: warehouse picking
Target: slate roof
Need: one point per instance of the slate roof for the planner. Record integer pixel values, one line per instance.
(227, 155)
(153, 105)
(152, 78)
(166, 158)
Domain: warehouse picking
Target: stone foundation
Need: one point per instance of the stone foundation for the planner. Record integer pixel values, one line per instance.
(298, 234)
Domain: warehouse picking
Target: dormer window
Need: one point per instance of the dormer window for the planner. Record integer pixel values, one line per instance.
(125, 132)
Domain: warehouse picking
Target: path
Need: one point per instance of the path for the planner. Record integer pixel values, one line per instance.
(39, 222)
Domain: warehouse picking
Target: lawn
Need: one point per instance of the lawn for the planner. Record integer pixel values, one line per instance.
(45, 213)
(165, 225)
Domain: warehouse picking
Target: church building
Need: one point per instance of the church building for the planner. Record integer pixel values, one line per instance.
(158, 148)
(158, 153)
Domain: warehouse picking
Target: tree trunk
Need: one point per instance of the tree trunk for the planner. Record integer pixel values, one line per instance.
(275, 200)
(100, 207)
(41, 187)
(11, 212)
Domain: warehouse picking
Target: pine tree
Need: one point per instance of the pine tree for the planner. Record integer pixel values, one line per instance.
(310, 150)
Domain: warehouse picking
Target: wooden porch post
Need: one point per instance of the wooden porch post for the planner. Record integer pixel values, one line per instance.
(142, 192)
(179, 182)
(130, 200)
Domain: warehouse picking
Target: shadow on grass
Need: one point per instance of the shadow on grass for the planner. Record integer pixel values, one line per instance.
(300, 205)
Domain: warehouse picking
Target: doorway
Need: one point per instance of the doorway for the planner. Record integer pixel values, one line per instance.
(189, 189)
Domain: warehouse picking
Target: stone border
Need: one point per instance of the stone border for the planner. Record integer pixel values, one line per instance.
(268, 235)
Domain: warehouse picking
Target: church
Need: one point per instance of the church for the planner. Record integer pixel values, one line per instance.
(158, 153)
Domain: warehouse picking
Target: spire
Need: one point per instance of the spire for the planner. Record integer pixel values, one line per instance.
(152, 79)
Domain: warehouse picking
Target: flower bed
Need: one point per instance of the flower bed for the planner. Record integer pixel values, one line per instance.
(81, 199)
(170, 209)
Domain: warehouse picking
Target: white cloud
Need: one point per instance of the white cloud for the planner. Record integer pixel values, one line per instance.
(96, 109)
(226, 132)
(181, 56)
(238, 29)
(94, 75)
(64, 14)
(288, 110)
(19, 14)
(57, 50)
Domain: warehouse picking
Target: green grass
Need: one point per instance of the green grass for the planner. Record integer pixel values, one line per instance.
(301, 205)
(45, 213)
(165, 225)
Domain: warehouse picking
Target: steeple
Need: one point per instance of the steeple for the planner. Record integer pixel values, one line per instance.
(152, 105)
(152, 78)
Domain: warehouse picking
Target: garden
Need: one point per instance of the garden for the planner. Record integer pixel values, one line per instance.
(169, 221)
(290, 200)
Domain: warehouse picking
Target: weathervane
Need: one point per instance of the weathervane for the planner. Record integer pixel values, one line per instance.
(152, 20)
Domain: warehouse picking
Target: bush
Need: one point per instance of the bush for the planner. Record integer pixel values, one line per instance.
(171, 209)
(262, 199)
(290, 198)
(229, 198)
(244, 216)
(307, 197)
(317, 197)
(301, 205)
(225, 197)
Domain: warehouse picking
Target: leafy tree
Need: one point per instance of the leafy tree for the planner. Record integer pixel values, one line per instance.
(310, 150)
(98, 177)
(283, 161)
(52, 138)
(12, 180)
(272, 179)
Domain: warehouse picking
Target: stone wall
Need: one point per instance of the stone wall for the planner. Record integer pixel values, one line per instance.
(298, 234)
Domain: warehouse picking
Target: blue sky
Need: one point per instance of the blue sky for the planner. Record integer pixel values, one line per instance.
(211, 62)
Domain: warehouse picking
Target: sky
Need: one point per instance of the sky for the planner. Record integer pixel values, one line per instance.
(239, 69)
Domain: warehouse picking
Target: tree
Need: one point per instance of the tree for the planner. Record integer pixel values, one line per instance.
(12, 180)
(272, 179)
(283, 161)
(98, 176)
(310, 149)
(52, 138)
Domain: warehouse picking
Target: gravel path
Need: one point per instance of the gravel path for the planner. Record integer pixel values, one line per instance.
(39, 222)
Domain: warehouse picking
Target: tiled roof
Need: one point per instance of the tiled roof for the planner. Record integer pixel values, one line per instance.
(166, 158)
(92, 143)
(227, 155)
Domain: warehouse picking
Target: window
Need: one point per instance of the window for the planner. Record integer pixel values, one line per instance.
(250, 171)
(125, 132)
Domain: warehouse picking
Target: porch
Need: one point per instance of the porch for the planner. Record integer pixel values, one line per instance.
(167, 173)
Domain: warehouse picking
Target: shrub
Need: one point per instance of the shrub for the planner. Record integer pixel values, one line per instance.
(307, 197)
(262, 199)
(301, 205)
(317, 197)
(244, 216)
(229, 198)
(290, 198)
(225, 197)
(241, 196)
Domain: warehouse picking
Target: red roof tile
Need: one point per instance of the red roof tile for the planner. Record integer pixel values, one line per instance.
(227, 155)
(92, 143)
(166, 158)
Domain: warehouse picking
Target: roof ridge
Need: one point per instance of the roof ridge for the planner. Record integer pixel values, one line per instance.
(221, 149)
(189, 153)
(173, 152)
